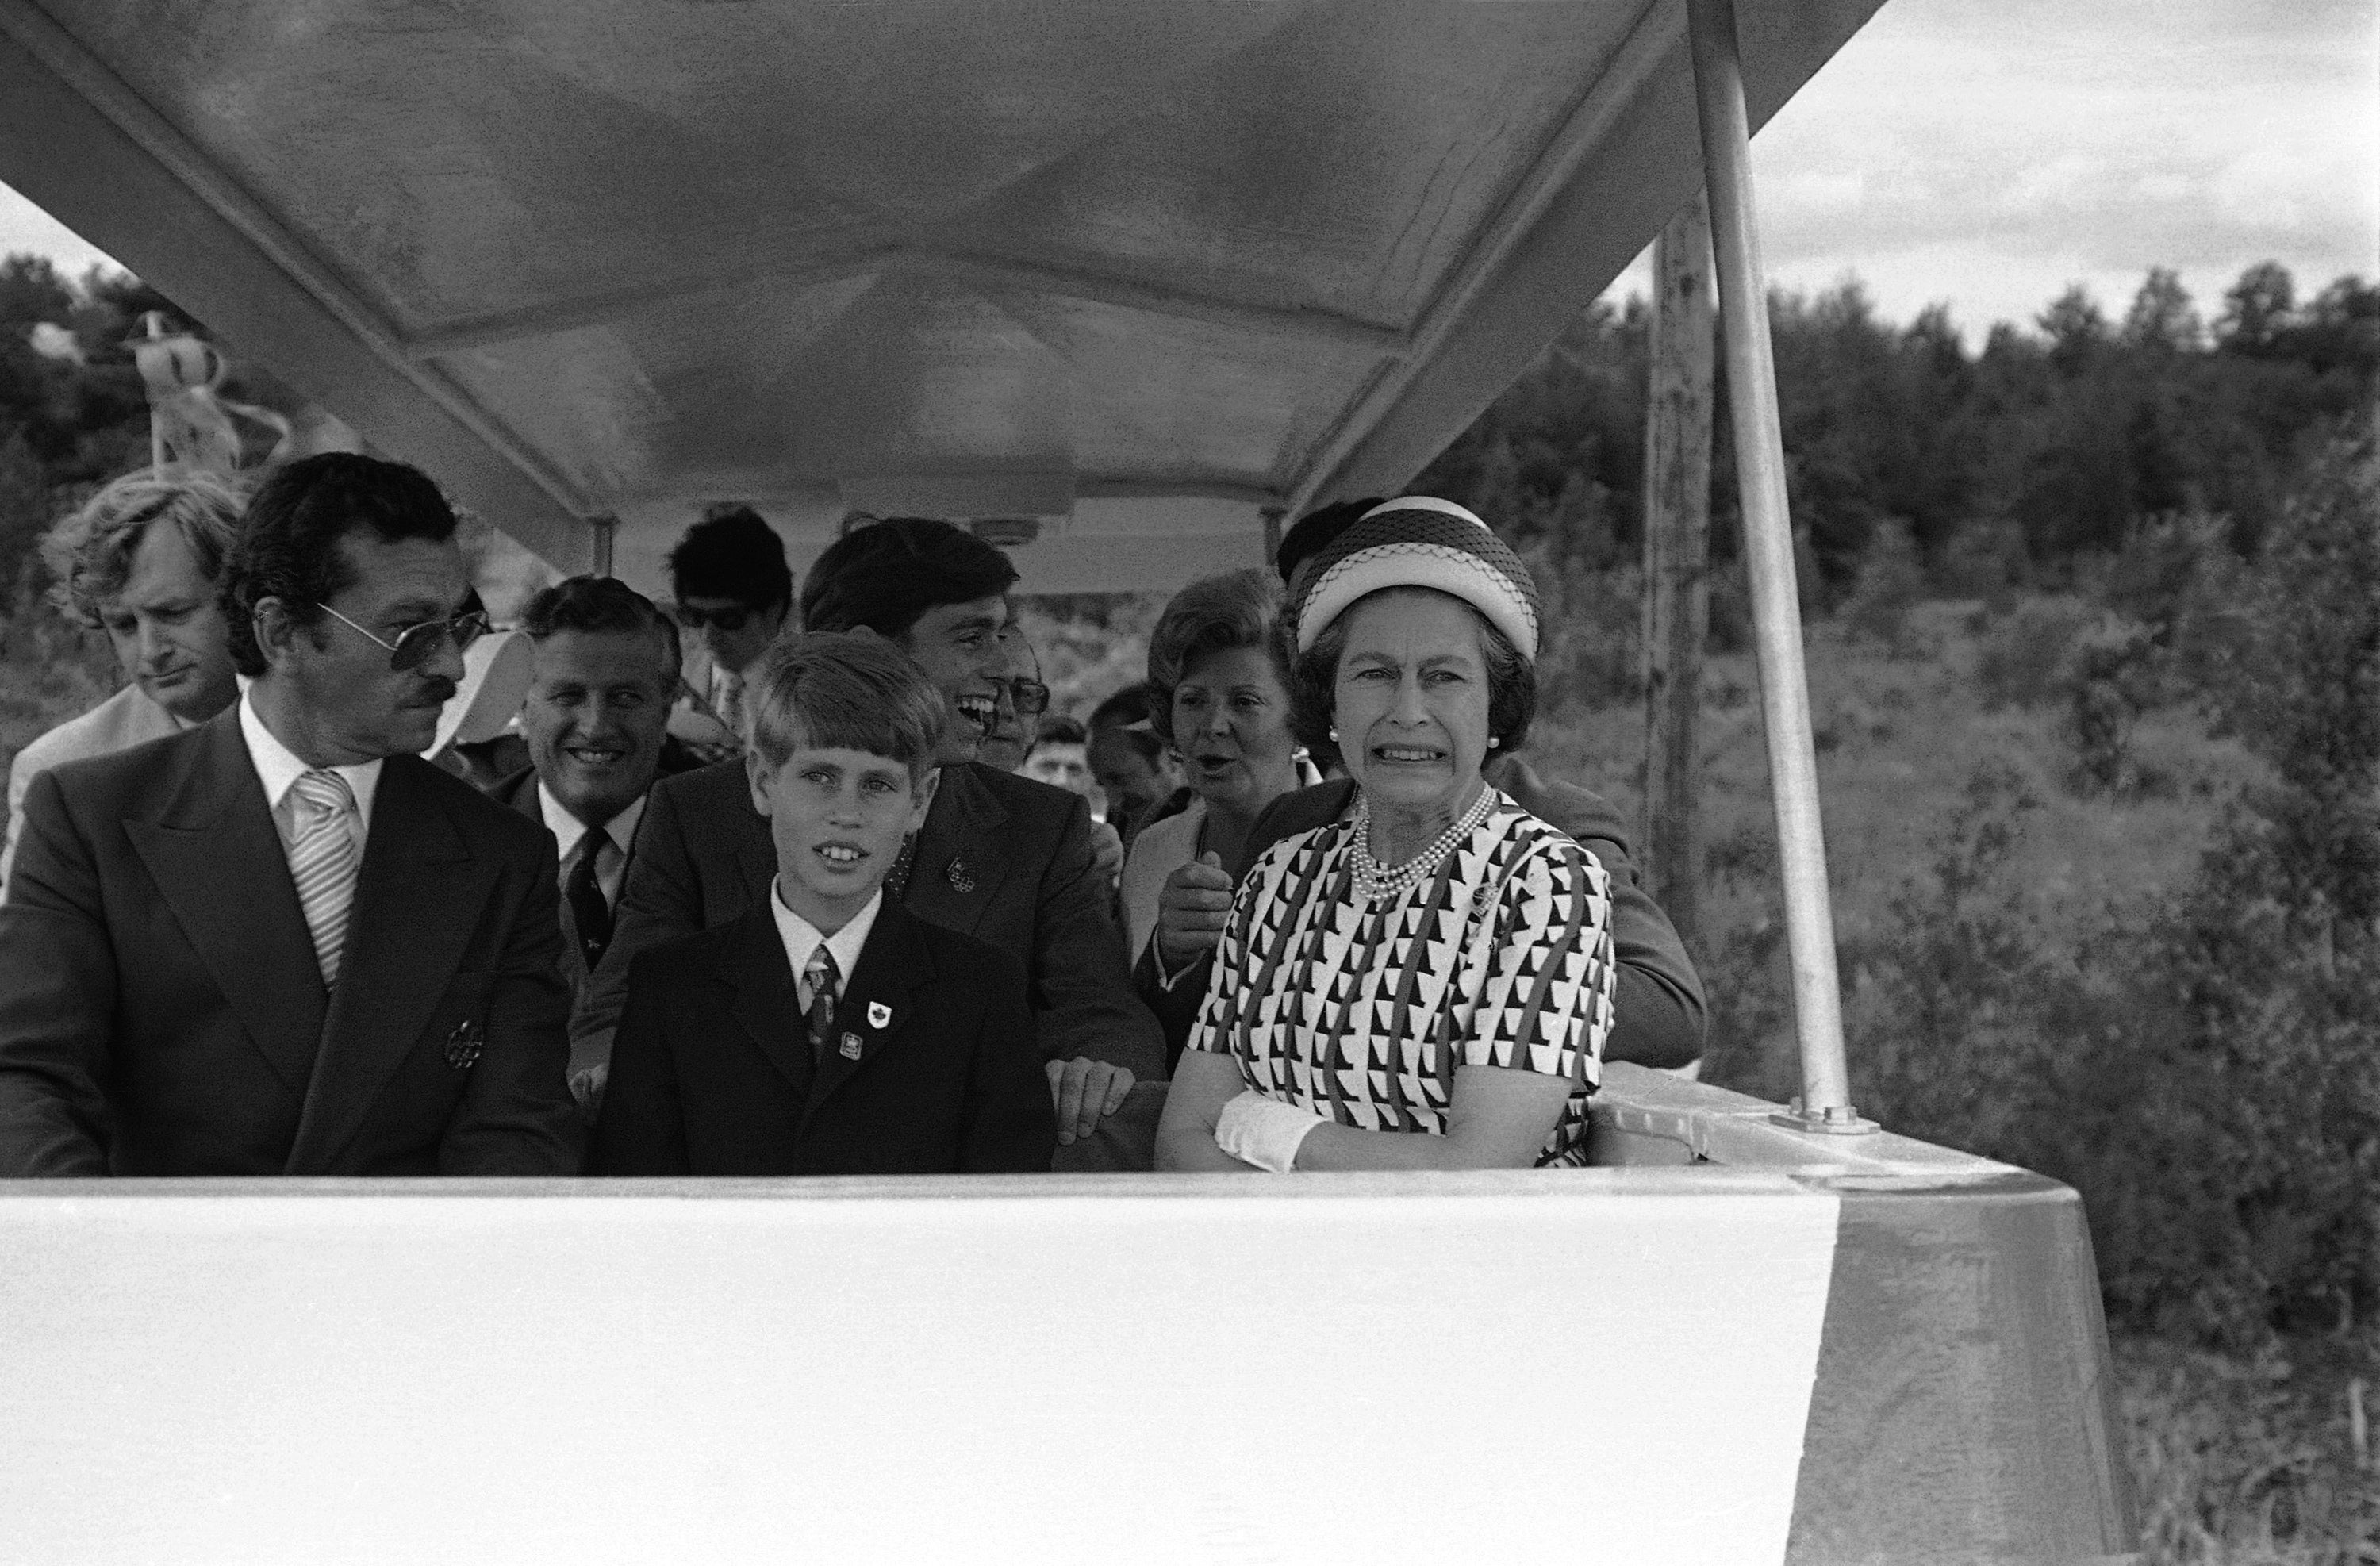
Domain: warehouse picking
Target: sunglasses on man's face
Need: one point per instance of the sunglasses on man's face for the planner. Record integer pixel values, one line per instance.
(415, 644)
(1032, 698)
(733, 618)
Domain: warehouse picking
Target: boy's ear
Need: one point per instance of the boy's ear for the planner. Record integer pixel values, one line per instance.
(924, 796)
(757, 772)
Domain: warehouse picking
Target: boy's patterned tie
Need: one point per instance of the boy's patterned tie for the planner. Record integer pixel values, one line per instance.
(819, 973)
(323, 863)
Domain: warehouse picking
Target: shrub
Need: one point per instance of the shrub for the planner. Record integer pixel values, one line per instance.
(2112, 674)
(2201, 1068)
(2020, 662)
(1891, 582)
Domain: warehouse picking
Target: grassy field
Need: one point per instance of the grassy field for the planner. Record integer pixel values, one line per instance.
(2249, 1458)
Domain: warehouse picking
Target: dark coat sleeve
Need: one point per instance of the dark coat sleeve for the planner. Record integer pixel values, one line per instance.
(1011, 1126)
(517, 1117)
(1082, 996)
(661, 900)
(1659, 1014)
(57, 998)
(642, 1129)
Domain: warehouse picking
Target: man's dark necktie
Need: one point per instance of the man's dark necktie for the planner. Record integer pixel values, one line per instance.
(819, 973)
(592, 915)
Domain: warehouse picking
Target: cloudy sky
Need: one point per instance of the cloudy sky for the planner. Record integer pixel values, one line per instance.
(1990, 152)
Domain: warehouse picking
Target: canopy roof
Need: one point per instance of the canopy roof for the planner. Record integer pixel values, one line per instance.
(1136, 270)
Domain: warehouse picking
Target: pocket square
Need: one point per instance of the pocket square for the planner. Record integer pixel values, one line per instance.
(463, 1045)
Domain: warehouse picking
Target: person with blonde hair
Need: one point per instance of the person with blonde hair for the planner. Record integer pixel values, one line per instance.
(138, 561)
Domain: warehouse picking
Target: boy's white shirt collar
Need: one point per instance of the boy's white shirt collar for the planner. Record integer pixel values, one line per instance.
(801, 937)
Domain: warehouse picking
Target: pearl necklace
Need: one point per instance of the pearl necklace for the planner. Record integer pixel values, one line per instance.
(1375, 881)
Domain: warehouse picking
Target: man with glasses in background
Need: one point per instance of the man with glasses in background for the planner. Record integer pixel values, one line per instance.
(1011, 743)
(281, 942)
(733, 589)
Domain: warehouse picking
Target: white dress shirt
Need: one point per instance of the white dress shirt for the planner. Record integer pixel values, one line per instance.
(802, 938)
(569, 832)
(277, 767)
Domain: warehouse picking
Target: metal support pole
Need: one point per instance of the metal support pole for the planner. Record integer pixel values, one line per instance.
(600, 532)
(1825, 1103)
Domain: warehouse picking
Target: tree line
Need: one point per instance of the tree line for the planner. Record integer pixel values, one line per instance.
(2057, 438)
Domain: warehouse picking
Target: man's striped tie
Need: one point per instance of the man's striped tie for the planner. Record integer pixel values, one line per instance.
(323, 863)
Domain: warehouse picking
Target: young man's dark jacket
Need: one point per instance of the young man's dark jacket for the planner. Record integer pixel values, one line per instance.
(1658, 1006)
(1003, 858)
(932, 1068)
(163, 1012)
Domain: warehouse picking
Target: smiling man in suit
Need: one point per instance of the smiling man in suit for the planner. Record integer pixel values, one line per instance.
(829, 1030)
(281, 942)
(1005, 859)
(604, 665)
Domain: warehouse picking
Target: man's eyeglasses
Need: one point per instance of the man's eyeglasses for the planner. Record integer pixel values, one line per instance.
(1032, 698)
(414, 644)
(733, 618)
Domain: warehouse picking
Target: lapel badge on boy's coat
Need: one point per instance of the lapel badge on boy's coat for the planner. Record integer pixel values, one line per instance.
(961, 879)
(463, 1045)
(851, 1046)
(879, 1015)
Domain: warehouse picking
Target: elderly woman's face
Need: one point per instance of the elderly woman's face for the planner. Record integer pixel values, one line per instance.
(1411, 702)
(1230, 723)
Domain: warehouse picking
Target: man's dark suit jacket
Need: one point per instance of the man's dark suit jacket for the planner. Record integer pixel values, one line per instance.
(1002, 858)
(1659, 1010)
(519, 792)
(162, 1010)
(711, 1072)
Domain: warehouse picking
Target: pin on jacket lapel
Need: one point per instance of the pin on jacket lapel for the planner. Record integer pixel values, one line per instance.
(419, 899)
(959, 864)
(891, 965)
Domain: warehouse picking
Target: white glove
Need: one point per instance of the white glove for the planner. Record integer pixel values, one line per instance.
(1263, 1131)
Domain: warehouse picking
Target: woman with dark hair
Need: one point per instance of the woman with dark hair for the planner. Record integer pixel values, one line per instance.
(1219, 695)
(1425, 983)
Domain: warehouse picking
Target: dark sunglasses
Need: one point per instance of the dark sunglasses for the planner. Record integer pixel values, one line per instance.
(725, 619)
(414, 644)
(1031, 696)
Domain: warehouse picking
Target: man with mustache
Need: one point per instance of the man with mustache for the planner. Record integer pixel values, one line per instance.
(999, 857)
(138, 561)
(281, 942)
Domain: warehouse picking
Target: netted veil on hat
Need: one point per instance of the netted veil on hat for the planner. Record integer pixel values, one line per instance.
(1419, 541)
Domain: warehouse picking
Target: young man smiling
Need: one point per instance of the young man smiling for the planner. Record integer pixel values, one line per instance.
(1007, 860)
(828, 1031)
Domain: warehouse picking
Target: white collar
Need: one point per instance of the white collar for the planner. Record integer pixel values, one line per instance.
(802, 938)
(568, 829)
(277, 766)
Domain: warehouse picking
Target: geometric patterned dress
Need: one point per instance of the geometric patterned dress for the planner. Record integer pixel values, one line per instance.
(1361, 1011)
